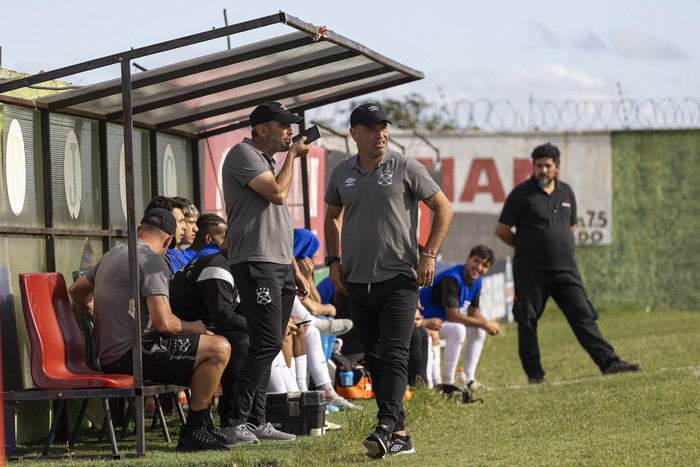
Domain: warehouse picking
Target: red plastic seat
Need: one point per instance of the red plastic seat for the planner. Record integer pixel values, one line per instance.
(49, 367)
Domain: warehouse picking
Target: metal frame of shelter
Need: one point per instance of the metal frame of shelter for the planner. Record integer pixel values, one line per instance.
(212, 95)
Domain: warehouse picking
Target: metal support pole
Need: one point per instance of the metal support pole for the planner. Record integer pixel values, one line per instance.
(135, 302)
(305, 182)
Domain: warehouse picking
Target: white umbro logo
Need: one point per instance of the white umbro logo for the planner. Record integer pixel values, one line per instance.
(396, 447)
(350, 182)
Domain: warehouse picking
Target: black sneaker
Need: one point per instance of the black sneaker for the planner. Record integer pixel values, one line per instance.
(199, 440)
(537, 380)
(220, 435)
(377, 443)
(621, 366)
(400, 446)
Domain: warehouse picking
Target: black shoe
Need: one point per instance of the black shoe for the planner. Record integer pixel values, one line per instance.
(377, 443)
(621, 366)
(400, 446)
(536, 380)
(220, 435)
(199, 440)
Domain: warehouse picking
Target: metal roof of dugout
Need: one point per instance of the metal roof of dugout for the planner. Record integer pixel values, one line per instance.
(214, 94)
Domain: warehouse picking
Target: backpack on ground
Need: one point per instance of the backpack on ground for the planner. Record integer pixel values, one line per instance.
(463, 395)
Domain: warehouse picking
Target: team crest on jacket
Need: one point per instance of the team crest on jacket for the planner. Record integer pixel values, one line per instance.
(385, 178)
(263, 295)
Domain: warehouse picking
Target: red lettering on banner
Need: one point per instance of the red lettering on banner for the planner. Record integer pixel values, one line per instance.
(428, 163)
(424, 212)
(522, 170)
(447, 171)
(493, 184)
(448, 178)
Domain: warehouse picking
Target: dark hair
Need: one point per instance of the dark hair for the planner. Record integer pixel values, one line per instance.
(188, 208)
(206, 223)
(482, 251)
(161, 202)
(547, 150)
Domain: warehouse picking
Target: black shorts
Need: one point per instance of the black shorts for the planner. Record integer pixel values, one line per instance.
(168, 359)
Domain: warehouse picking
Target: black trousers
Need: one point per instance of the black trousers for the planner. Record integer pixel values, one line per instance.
(267, 293)
(383, 314)
(532, 290)
(418, 356)
(240, 343)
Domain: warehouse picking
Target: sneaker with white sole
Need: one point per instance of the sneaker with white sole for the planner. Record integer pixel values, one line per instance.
(400, 446)
(331, 426)
(199, 439)
(342, 403)
(333, 327)
(377, 443)
(240, 434)
(475, 385)
(267, 431)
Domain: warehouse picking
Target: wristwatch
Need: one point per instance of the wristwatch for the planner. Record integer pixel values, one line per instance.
(332, 259)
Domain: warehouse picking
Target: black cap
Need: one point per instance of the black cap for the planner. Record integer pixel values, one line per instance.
(161, 218)
(367, 115)
(270, 111)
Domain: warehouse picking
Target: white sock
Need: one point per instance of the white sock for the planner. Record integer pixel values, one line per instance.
(454, 334)
(289, 383)
(318, 367)
(300, 365)
(472, 350)
(429, 367)
(437, 377)
(276, 379)
(292, 369)
(330, 391)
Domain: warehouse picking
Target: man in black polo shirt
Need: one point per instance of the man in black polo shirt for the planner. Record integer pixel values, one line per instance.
(543, 211)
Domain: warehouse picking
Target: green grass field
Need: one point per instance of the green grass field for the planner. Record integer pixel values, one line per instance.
(578, 418)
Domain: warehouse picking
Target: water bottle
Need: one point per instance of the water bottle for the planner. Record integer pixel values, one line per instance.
(461, 378)
(347, 378)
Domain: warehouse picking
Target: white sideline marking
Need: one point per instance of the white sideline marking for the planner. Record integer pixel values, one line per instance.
(693, 369)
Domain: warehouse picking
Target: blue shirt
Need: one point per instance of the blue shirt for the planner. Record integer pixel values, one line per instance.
(468, 293)
(177, 259)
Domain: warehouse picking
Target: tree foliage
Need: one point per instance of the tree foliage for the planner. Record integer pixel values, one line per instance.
(413, 111)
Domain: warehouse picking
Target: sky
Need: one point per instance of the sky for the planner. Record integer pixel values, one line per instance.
(496, 50)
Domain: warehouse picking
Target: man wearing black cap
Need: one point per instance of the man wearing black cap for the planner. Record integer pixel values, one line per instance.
(377, 192)
(260, 238)
(174, 351)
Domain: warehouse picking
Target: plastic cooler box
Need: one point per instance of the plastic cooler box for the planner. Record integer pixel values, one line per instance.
(299, 413)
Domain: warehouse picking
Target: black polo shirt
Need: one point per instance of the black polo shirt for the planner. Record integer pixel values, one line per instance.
(543, 239)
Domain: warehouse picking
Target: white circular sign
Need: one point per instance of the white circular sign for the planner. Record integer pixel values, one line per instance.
(72, 175)
(15, 168)
(169, 172)
(122, 179)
